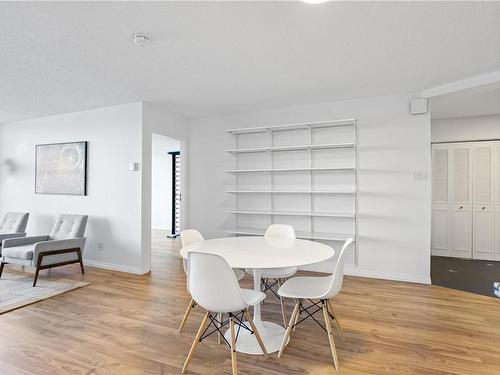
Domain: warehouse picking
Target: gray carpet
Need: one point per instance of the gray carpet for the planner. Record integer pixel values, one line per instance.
(16, 289)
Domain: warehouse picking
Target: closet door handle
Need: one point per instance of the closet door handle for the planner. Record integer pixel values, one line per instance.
(483, 208)
(461, 207)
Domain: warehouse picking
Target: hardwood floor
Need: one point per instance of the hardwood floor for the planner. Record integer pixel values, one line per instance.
(125, 324)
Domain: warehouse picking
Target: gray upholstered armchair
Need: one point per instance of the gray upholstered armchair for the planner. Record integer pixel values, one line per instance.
(63, 246)
(13, 225)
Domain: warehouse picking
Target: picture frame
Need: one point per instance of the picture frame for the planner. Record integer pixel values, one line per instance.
(61, 168)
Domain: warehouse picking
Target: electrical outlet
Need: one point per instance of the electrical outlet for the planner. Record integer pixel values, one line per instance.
(100, 246)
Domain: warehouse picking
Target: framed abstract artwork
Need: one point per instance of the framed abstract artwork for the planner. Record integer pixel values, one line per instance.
(61, 168)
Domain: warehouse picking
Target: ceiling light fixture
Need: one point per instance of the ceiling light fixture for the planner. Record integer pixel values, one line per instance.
(314, 1)
(141, 40)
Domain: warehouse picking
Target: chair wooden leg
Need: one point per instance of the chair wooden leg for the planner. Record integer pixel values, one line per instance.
(298, 315)
(289, 328)
(219, 338)
(195, 342)
(330, 334)
(336, 319)
(79, 252)
(36, 276)
(282, 301)
(1, 268)
(256, 333)
(186, 314)
(234, 360)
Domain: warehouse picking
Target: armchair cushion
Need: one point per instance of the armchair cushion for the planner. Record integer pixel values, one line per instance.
(54, 245)
(69, 226)
(19, 252)
(12, 242)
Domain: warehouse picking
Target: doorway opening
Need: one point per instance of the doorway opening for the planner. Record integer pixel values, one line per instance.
(166, 196)
(465, 136)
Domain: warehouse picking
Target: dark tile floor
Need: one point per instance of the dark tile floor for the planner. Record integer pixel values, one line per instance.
(476, 276)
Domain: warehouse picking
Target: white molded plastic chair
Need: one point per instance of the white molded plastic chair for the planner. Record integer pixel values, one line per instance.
(214, 286)
(190, 236)
(316, 288)
(278, 232)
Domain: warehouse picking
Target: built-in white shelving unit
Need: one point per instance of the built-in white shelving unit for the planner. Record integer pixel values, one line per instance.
(291, 213)
(290, 148)
(337, 191)
(304, 235)
(290, 169)
(303, 174)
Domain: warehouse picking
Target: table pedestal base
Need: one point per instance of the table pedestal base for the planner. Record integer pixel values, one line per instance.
(271, 333)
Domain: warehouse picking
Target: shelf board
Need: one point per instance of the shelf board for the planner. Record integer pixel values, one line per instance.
(291, 148)
(325, 192)
(289, 169)
(345, 214)
(296, 126)
(303, 235)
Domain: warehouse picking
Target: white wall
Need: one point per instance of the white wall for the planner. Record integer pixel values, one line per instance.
(113, 202)
(158, 119)
(394, 210)
(161, 174)
(466, 129)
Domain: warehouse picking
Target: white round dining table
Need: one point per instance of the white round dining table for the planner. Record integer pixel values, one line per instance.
(258, 253)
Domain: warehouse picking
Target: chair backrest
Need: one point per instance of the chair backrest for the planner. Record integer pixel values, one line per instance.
(69, 226)
(338, 273)
(189, 236)
(212, 283)
(14, 222)
(283, 231)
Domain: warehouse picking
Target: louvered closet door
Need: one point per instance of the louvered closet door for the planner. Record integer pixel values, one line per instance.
(461, 205)
(483, 215)
(441, 199)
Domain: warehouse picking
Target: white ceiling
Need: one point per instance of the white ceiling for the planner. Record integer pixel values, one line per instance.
(218, 57)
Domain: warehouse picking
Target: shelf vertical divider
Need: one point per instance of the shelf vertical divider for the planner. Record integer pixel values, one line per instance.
(356, 203)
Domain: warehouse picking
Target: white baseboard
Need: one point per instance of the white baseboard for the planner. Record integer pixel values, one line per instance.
(355, 271)
(115, 267)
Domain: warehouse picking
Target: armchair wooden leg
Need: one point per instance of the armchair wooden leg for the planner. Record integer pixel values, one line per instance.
(36, 276)
(256, 333)
(234, 360)
(291, 322)
(336, 320)
(1, 267)
(191, 305)
(330, 334)
(195, 342)
(79, 252)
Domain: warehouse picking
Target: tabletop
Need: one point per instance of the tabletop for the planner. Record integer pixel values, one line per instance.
(262, 253)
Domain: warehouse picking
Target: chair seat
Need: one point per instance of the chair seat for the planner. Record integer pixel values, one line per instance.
(278, 273)
(19, 252)
(306, 287)
(240, 274)
(252, 297)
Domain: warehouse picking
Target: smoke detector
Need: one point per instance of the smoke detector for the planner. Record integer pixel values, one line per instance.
(142, 40)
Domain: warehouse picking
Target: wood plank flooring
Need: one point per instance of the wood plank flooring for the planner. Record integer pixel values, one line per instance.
(126, 324)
